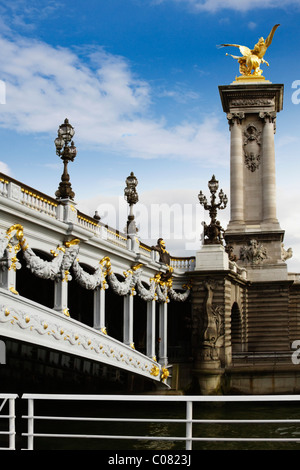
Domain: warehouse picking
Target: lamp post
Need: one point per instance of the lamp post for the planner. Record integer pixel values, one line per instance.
(67, 152)
(214, 229)
(132, 197)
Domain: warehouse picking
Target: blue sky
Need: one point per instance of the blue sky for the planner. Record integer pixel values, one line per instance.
(138, 80)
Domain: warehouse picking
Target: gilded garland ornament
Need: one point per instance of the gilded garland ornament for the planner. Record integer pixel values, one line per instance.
(65, 261)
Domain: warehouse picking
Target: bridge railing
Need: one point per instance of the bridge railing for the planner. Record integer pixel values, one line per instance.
(185, 425)
(46, 205)
(7, 400)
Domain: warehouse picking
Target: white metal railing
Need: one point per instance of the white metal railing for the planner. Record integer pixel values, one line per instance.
(188, 421)
(10, 432)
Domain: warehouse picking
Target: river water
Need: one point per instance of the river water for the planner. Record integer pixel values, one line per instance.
(166, 411)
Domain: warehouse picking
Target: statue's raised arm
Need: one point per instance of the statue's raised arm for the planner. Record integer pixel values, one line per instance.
(251, 59)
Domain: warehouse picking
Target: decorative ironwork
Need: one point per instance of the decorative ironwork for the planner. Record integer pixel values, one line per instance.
(67, 152)
(132, 197)
(213, 231)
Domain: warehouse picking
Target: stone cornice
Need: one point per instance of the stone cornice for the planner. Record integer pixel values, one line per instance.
(251, 97)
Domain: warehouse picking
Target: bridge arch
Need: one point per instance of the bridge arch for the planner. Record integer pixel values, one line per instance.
(140, 322)
(114, 311)
(81, 300)
(32, 287)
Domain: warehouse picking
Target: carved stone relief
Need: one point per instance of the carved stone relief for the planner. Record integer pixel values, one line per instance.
(212, 335)
(286, 254)
(242, 102)
(254, 253)
(252, 141)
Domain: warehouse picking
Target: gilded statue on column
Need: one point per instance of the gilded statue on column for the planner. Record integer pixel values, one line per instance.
(251, 59)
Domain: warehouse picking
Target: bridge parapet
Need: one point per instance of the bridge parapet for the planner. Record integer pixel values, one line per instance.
(44, 205)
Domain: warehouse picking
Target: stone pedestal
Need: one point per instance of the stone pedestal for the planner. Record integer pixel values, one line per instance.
(66, 211)
(251, 110)
(212, 258)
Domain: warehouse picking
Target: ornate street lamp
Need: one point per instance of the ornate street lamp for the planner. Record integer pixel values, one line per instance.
(67, 152)
(132, 197)
(213, 231)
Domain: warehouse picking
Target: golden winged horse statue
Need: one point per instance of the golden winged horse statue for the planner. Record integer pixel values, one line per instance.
(252, 58)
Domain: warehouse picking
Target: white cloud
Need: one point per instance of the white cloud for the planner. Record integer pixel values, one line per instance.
(25, 16)
(179, 93)
(174, 215)
(4, 168)
(213, 6)
(251, 25)
(106, 103)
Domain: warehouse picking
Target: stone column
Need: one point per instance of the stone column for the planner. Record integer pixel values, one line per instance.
(236, 168)
(99, 309)
(268, 167)
(8, 269)
(150, 346)
(128, 320)
(163, 334)
(61, 295)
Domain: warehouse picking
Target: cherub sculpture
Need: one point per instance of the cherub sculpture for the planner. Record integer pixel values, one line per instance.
(252, 58)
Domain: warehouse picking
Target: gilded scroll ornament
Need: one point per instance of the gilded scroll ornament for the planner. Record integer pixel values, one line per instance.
(154, 370)
(165, 374)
